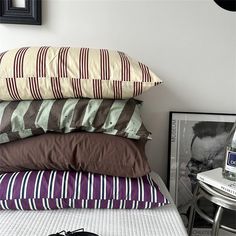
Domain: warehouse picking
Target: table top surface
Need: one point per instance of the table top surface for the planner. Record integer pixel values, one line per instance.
(214, 180)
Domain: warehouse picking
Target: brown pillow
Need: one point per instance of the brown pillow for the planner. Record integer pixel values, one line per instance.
(92, 152)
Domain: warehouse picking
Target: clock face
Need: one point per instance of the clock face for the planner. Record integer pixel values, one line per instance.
(229, 5)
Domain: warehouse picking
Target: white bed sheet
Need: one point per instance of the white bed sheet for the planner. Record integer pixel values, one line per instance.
(163, 221)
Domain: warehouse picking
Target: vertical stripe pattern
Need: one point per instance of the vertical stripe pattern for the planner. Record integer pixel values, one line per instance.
(45, 190)
(77, 89)
(138, 88)
(146, 77)
(62, 62)
(34, 88)
(125, 67)
(83, 63)
(104, 64)
(97, 88)
(117, 89)
(24, 184)
(12, 88)
(57, 72)
(19, 63)
(41, 62)
(56, 88)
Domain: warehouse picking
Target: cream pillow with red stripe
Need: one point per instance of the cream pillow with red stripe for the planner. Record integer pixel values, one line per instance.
(52, 72)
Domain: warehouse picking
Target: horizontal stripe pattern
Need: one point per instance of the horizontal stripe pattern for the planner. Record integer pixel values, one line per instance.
(55, 72)
(115, 117)
(45, 190)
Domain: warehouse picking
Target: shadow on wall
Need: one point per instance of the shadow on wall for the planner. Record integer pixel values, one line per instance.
(157, 102)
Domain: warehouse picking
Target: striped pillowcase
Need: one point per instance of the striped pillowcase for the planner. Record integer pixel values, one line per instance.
(21, 119)
(52, 73)
(46, 190)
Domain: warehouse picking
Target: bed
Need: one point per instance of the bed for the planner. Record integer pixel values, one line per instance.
(79, 142)
(161, 221)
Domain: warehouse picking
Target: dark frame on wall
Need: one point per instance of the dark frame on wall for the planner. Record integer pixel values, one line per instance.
(30, 14)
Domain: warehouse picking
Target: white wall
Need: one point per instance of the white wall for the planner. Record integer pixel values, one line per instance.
(190, 44)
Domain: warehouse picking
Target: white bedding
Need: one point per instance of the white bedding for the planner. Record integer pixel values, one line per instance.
(162, 221)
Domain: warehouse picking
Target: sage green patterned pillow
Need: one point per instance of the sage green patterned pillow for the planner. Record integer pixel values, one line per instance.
(21, 119)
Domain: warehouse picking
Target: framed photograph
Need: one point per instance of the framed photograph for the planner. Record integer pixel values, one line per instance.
(196, 144)
(29, 12)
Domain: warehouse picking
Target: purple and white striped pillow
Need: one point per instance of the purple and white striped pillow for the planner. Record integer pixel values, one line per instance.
(46, 190)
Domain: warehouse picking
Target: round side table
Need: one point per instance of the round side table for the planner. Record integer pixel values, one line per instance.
(222, 201)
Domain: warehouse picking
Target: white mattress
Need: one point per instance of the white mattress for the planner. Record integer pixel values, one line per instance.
(162, 221)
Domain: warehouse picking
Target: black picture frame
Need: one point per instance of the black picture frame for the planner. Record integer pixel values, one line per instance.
(30, 14)
(180, 154)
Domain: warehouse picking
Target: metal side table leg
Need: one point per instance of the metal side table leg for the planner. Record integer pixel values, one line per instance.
(191, 220)
(192, 211)
(216, 224)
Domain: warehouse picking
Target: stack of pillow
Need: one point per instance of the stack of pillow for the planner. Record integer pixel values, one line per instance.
(71, 134)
